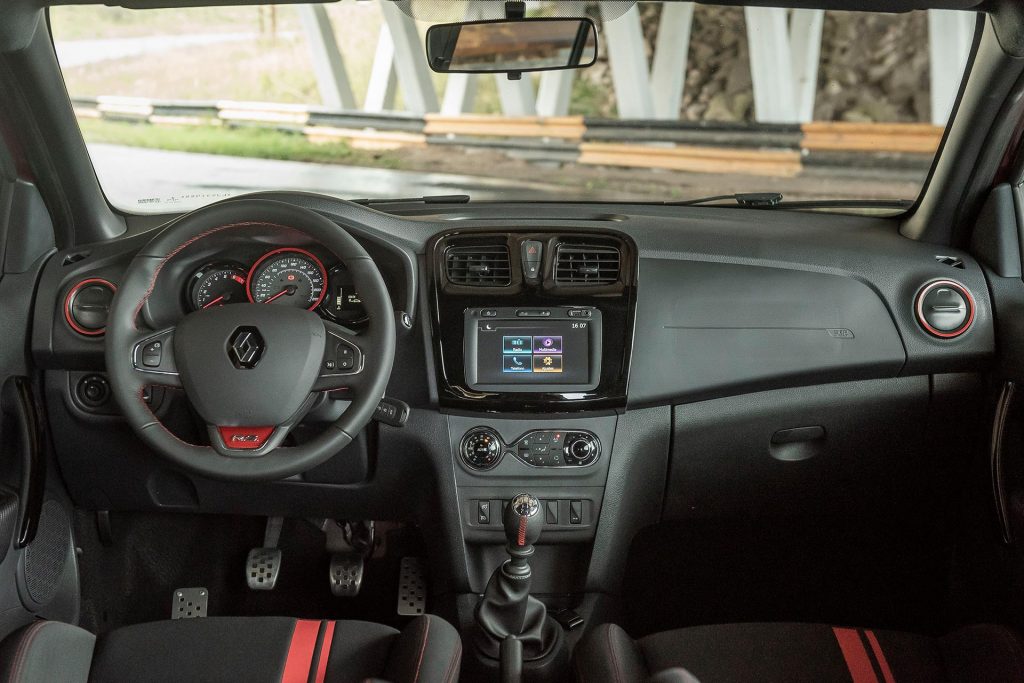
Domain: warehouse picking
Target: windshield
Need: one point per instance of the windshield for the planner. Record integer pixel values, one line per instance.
(182, 107)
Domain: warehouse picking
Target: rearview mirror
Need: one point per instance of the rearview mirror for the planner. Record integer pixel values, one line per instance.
(511, 46)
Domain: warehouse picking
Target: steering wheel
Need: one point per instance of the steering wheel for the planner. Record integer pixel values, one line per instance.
(251, 371)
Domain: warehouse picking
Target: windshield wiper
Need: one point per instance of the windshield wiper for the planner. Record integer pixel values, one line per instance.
(758, 200)
(429, 199)
(773, 200)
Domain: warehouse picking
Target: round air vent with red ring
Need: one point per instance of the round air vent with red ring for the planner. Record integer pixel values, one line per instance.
(944, 308)
(87, 304)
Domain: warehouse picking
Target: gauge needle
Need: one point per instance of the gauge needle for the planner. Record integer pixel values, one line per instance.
(214, 302)
(289, 290)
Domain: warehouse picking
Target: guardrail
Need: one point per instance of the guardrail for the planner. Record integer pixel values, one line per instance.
(677, 145)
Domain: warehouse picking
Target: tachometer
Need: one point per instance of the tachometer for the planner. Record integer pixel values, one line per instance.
(290, 277)
(217, 284)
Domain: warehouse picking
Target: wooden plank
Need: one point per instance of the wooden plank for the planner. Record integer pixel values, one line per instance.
(913, 138)
(365, 139)
(693, 158)
(568, 127)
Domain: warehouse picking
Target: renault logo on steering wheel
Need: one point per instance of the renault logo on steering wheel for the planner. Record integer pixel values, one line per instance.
(245, 347)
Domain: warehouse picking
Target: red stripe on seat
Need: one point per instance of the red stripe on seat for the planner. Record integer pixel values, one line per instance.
(300, 652)
(856, 656)
(880, 657)
(325, 653)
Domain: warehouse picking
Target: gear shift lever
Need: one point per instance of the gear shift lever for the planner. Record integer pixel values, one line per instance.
(506, 609)
(523, 525)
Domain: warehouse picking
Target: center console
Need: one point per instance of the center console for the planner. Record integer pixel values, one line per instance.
(531, 336)
(532, 333)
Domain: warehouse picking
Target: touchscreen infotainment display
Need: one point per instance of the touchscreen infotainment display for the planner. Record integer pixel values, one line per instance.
(556, 351)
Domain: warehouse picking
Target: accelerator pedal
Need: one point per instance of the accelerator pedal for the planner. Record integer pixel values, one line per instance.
(189, 603)
(412, 588)
(346, 574)
(264, 564)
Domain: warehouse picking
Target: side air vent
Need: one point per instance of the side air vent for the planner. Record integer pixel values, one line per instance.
(479, 266)
(582, 264)
(953, 261)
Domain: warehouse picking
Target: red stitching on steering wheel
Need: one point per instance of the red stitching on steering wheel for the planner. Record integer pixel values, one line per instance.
(185, 244)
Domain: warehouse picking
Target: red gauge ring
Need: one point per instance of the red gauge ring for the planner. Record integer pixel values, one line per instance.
(919, 308)
(69, 299)
(288, 250)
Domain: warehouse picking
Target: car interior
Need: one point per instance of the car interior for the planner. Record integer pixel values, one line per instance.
(287, 436)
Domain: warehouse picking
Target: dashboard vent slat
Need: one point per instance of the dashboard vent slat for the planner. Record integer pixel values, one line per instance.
(579, 265)
(479, 266)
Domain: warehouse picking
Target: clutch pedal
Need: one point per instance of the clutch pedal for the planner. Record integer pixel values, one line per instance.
(346, 574)
(263, 564)
(261, 568)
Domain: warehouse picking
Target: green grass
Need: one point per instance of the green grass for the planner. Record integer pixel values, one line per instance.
(261, 143)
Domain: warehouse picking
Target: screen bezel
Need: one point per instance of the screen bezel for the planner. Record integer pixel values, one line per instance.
(471, 351)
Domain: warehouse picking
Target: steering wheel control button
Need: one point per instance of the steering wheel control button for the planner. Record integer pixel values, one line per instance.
(87, 306)
(557, 448)
(246, 347)
(152, 354)
(944, 309)
(245, 438)
(481, 449)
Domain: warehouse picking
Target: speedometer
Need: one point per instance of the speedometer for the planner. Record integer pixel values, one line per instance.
(288, 277)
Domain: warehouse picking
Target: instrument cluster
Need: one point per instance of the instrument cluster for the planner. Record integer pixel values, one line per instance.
(282, 277)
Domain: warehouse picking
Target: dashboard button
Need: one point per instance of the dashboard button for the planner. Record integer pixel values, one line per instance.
(580, 313)
(533, 313)
(575, 512)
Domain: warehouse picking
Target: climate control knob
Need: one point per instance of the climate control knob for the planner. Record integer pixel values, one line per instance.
(481, 448)
(580, 449)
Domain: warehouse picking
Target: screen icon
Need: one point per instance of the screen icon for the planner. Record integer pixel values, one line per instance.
(547, 344)
(517, 344)
(547, 363)
(518, 363)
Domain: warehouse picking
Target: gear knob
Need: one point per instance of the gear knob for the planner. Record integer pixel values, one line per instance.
(523, 521)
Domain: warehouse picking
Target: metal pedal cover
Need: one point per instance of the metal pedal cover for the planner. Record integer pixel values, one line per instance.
(262, 567)
(189, 603)
(346, 574)
(412, 588)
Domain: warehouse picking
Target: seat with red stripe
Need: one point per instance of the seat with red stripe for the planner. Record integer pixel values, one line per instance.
(222, 649)
(797, 653)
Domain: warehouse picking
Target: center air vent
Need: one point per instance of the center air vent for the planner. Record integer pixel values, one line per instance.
(479, 266)
(584, 264)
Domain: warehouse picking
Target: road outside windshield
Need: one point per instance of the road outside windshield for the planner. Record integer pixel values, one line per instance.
(183, 107)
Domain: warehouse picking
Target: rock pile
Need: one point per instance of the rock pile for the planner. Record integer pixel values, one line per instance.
(873, 67)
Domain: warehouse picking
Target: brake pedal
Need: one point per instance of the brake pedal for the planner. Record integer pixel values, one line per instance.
(412, 588)
(346, 574)
(189, 603)
(263, 564)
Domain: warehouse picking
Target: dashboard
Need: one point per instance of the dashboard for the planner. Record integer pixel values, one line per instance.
(726, 359)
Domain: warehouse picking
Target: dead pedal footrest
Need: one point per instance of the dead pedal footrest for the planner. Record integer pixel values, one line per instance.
(189, 603)
(412, 588)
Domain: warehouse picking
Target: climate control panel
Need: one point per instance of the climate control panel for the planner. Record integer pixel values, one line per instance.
(482, 448)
